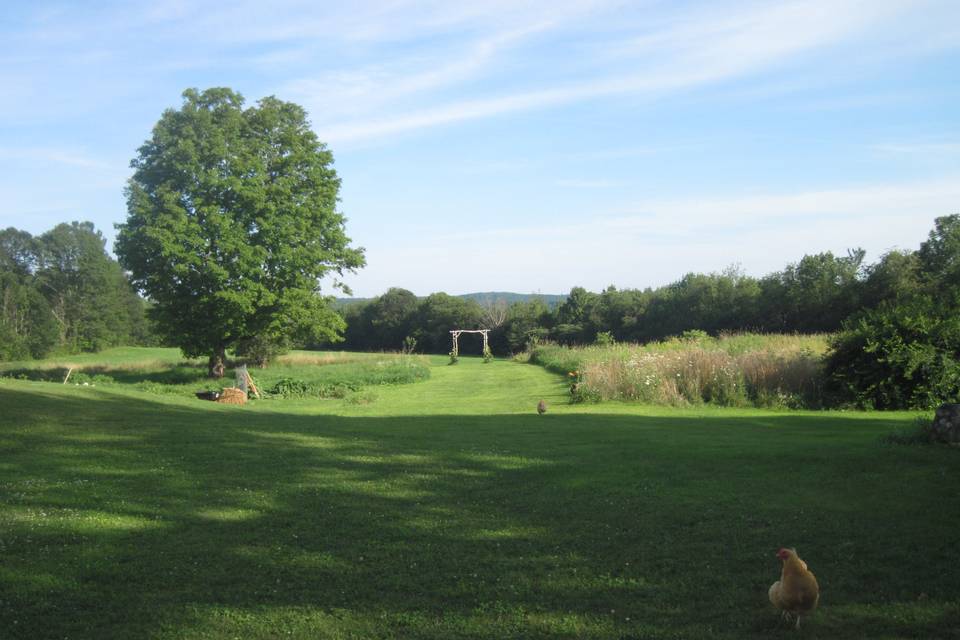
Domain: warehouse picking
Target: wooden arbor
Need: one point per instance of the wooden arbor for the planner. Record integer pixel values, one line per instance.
(456, 336)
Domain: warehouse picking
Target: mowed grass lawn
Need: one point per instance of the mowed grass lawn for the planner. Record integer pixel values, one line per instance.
(448, 508)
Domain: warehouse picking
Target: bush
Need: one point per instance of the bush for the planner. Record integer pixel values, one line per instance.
(293, 388)
(340, 380)
(899, 356)
(290, 387)
(604, 339)
(86, 378)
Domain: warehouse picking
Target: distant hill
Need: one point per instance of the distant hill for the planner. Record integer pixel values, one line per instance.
(487, 297)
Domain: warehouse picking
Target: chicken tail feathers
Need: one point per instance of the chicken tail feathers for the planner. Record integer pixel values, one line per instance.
(774, 594)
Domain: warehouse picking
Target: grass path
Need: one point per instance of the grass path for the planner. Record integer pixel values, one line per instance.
(472, 387)
(449, 509)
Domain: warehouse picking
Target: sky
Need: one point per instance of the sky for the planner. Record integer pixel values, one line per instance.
(527, 146)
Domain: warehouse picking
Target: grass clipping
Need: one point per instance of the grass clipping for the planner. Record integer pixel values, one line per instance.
(232, 395)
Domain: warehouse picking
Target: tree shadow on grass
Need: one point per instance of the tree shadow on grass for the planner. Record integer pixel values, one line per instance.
(168, 374)
(124, 517)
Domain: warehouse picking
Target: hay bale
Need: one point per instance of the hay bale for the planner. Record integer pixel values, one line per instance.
(232, 395)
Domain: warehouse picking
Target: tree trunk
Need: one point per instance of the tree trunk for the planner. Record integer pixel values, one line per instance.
(217, 364)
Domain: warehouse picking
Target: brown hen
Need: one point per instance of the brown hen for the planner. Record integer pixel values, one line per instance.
(796, 593)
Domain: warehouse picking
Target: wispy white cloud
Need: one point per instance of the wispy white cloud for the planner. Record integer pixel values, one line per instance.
(43, 155)
(579, 183)
(619, 153)
(692, 52)
(921, 148)
(697, 219)
(927, 198)
(367, 88)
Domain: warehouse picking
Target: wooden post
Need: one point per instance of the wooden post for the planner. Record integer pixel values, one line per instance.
(456, 345)
(253, 387)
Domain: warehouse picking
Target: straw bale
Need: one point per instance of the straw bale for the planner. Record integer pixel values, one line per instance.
(232, 395)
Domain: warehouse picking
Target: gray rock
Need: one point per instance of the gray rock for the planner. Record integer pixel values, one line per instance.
(946, 424)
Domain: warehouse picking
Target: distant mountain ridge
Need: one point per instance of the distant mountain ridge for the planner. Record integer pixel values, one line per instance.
(488, 297)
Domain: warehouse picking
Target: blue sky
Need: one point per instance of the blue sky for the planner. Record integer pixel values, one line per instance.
(522, 145)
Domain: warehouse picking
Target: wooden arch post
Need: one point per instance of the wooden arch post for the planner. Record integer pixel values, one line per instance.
(456, 337)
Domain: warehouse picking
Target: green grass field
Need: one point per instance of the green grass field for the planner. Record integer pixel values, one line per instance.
(447, 508)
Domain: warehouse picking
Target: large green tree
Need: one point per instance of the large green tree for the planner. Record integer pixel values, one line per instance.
(233, 222)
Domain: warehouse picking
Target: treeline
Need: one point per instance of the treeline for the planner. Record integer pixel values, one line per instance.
(817, 294)
(62, 292)
(895, 322)
(904, 352)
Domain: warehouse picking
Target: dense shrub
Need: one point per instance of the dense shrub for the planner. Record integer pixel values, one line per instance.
(899, 356)
(340, 380)
(293, 388)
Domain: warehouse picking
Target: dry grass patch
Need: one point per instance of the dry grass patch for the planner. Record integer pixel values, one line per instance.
(736, 370)
(318, 358)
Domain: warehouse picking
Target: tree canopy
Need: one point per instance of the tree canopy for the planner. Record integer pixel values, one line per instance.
(61, 290)
(233, 222)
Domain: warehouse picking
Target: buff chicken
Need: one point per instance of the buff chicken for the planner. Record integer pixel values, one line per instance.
(796, 593)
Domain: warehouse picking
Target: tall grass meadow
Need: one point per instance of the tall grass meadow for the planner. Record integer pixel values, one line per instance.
(732, 370)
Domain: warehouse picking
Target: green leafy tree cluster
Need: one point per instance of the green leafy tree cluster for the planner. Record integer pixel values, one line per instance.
(62, 291)
(813, 295)
(902, 355)
(527, 323)
(232, 225)
(905, 352)
(385, 322)
(438, 314)
(27, 328)
(382, 323)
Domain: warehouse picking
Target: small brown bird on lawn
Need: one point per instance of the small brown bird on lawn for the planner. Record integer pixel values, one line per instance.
(796, 593)
(541, 407)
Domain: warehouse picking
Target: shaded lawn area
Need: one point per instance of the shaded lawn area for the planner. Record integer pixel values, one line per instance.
(129, 516)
